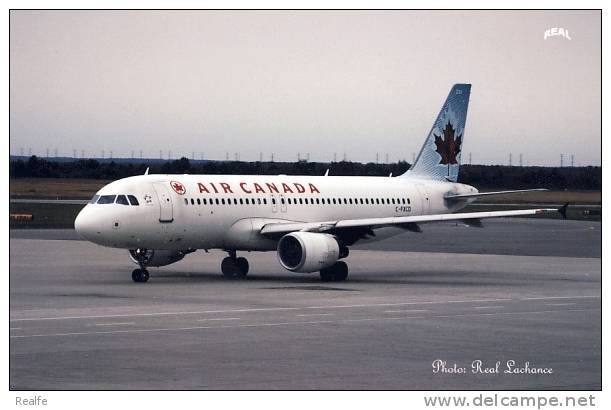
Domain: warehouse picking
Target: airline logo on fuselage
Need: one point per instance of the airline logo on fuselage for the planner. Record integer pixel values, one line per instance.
(178, 188)
(257, 188)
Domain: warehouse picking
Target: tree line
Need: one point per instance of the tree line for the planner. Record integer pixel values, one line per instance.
(481, 176)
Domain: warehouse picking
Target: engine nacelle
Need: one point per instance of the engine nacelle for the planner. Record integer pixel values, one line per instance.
(151, 257)
(308, 251)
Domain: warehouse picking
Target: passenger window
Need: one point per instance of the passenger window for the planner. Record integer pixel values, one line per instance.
(289, 201)
(317, 201)
(393, 201)
(192, 201)
(199, 202)
(94, 199)
(367, 201)
(273, 201)
(259, 201)
(223, 201)
(235, 201)
(300, 201)
(282, 201)
(264, 201)
(107, 199)
(333, 201)
(241, 201)
(204, 201)
(122, 200)
(408, 200)
(133, 200)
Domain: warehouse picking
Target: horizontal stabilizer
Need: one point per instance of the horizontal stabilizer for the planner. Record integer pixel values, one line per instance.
(481, 194)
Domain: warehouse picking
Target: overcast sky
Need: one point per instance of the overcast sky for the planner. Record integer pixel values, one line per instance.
(353, 82)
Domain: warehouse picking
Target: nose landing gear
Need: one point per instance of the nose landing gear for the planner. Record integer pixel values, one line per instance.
(234, 267)
(142, 257)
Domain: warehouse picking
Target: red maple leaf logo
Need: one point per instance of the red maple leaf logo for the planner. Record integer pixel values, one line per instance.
(178, 187)
(448, 147)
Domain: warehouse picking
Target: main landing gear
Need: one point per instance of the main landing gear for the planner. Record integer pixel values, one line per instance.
(234, 267)
(335, 273)
(140, 275)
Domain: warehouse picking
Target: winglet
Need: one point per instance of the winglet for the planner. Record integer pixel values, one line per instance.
(562, 210)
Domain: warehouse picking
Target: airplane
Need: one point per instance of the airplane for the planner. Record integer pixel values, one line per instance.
(309, 221)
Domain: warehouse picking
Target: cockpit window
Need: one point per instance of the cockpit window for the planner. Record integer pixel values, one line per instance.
(94, 199)
(133, 200)
(106, 199)
(122, 200)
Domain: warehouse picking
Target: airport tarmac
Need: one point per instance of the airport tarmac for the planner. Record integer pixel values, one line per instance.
(524, 290)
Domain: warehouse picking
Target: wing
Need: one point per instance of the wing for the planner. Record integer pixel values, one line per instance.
(406, 222)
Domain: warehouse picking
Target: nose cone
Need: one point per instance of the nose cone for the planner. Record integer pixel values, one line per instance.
(85, 224)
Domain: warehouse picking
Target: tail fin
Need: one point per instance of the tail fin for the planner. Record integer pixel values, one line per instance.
(439, 157)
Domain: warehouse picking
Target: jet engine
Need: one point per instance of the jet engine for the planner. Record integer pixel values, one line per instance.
(151, 257)
(309, 251)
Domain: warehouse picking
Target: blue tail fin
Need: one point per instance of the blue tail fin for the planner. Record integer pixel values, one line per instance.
(439, 157)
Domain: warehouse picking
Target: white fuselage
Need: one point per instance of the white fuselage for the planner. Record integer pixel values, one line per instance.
(180, 212)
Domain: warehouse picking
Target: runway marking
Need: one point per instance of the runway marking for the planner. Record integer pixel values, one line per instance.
(406, 311)
(218, 319)
(515, 313)
(316, 314)
(200, 312)
(560, 297)
(560, 304)
(489, 307)
(114, 324)
(287, 323)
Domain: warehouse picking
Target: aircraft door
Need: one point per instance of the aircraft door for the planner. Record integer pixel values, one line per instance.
(166, 212)
(424, 199)
(282, 203)
(272, 199)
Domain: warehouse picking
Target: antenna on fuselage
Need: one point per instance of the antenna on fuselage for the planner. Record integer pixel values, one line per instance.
(147, 171)
(390, 176)
(327, 172)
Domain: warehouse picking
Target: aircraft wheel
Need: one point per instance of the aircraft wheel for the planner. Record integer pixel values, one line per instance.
(140, 275)
(341, 271)
(335, 273)
(242, 265)
(229, 268)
